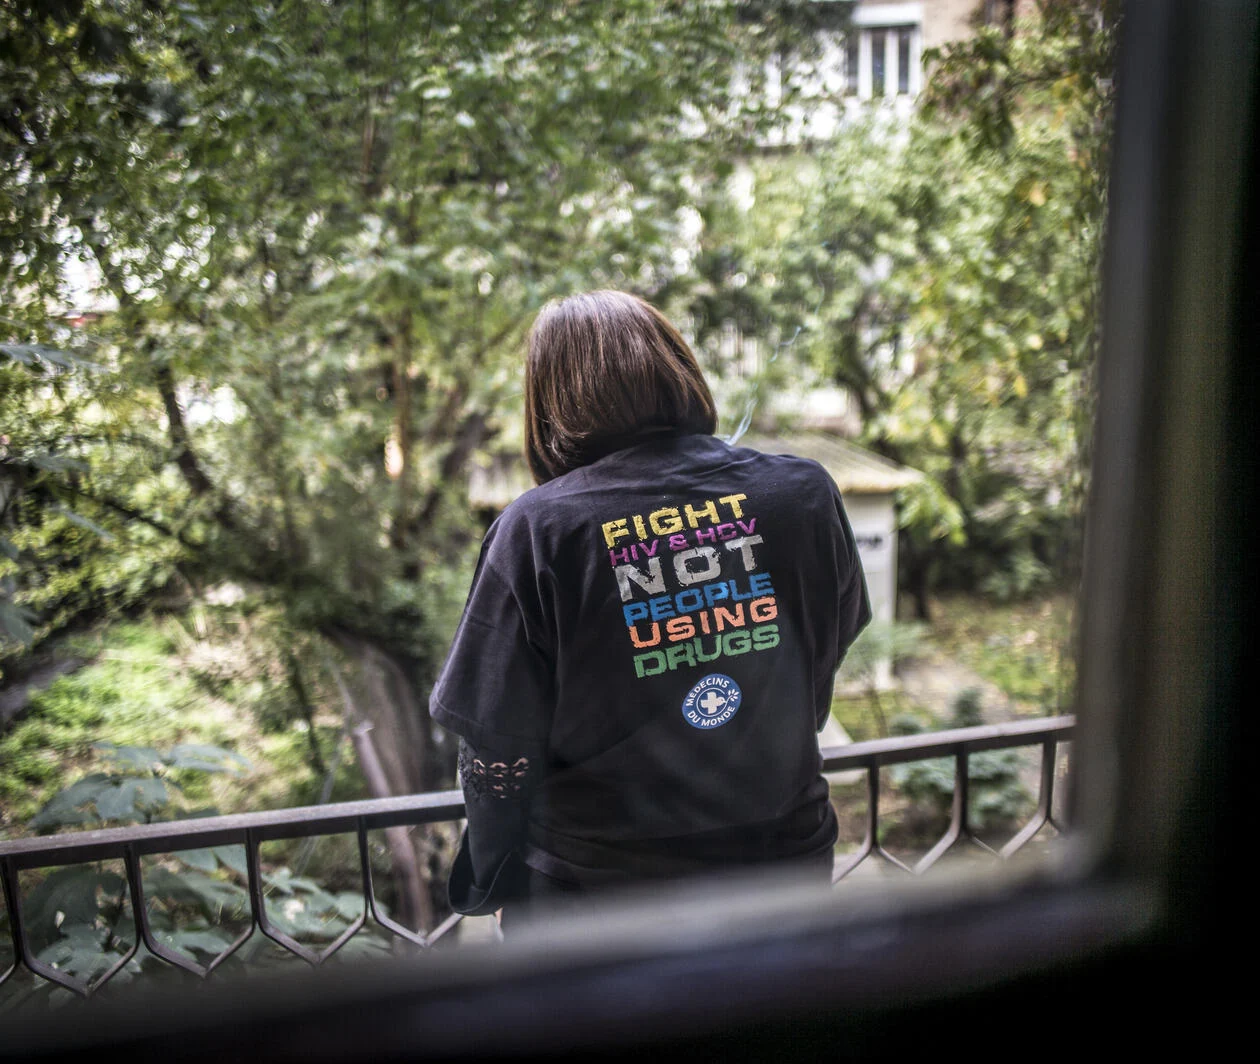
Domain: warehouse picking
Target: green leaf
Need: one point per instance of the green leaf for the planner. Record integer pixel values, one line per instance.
(151, 793)
(233, 857)
(211, 896)
(208, 941)
(141, 758)
(32, 354)
(301, 921)
(349, 904)
(66, 807)
(14, 624)
(43, 355)
(202, 860)
(132, 798)
(119, 802)
(69, 899)
(83, 522)
(208, 759)
(53, 463)
(279, 880)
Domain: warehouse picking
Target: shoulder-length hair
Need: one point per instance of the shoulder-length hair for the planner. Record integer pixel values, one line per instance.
(602, 367)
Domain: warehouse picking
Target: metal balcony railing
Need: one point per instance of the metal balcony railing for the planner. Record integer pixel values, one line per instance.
(250, 830)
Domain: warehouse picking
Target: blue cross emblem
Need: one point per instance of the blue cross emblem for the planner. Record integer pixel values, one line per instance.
(712, 702)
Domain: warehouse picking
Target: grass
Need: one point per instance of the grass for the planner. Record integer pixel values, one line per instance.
(1019, 648)
(1023, 648)
(154, 683)
(858, 715)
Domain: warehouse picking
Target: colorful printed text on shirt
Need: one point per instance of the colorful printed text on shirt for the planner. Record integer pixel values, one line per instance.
(690, 584)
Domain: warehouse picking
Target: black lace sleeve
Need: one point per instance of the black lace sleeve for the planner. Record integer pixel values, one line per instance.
(496, 789)
(488, 776)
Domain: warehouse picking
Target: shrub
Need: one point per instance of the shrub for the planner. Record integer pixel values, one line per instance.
(997, 796)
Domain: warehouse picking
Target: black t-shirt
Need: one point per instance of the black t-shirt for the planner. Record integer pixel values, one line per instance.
(659, 631)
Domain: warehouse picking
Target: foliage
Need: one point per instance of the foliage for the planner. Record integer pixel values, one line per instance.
(882, 641)
(944, 272)
(265, 270)
(880, 644)
(1023, 648)
(141, 787)
(78, 917)
(218, 676)
(299, 245)
(997, 795)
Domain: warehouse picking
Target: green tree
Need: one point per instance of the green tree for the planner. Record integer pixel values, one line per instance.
(311, 237)
(944, 272)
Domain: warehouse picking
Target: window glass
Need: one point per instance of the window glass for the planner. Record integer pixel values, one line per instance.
(878, 46)
(903, 59)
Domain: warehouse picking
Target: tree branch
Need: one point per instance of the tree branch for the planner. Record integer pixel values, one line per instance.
(468, 437)
(122, 510)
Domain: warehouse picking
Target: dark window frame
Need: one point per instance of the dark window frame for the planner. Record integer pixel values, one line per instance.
(1118, 943)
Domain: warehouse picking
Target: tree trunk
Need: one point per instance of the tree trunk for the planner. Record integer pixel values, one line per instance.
(398, 719)
(403, 474)
(415, 907)
(386, 724)
(915, 564)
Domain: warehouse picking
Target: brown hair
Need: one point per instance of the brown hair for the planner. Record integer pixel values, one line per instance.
(602, 367)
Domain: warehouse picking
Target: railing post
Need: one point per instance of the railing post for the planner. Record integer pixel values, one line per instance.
(15, 920)
(1045, 800)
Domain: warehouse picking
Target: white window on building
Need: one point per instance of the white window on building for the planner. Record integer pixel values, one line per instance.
(883, 52)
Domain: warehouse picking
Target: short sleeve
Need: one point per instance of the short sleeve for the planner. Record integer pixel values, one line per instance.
(496, 688)
(855, 604)
(846, 610)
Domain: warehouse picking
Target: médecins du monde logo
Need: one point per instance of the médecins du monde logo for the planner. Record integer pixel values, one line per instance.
(712, 702)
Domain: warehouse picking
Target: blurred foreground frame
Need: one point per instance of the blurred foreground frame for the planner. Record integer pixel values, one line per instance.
(1149, 892)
